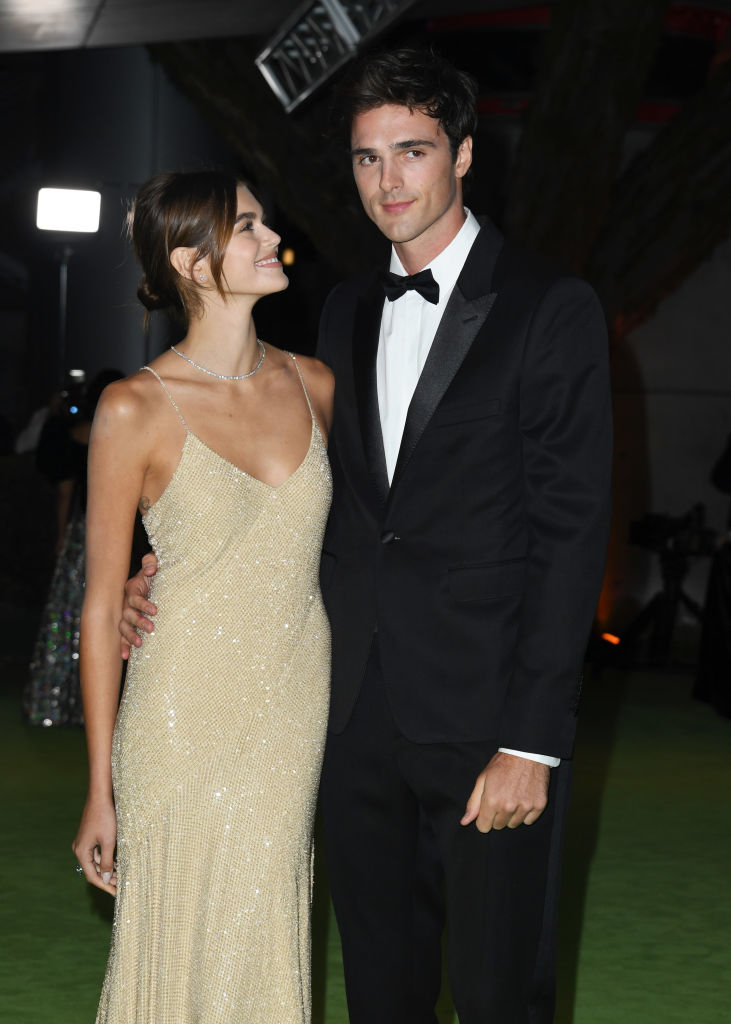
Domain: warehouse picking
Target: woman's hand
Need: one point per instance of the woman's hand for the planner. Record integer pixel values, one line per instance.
(95, 841)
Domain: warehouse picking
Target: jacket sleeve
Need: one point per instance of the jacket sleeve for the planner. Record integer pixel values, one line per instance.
(566, 434)
(322, 341)
(333, 313)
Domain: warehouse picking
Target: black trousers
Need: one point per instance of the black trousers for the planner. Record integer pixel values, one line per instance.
(399, 862)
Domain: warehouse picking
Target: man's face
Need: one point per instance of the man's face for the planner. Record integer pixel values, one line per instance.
(408, 182)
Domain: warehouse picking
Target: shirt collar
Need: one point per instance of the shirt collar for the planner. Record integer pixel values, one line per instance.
(447, 266)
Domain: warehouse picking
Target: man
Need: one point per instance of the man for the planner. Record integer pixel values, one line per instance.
(470, 452)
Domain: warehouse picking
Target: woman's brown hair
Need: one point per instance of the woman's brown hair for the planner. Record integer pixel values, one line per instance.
(194, 210)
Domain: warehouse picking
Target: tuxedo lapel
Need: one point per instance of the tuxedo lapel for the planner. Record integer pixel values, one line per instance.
(466, 312)
(365, 349)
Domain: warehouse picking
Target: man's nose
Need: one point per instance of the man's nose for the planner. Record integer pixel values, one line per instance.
(390, 176)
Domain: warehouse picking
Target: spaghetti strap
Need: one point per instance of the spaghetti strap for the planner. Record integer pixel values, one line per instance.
(174, 404)
(302, 382)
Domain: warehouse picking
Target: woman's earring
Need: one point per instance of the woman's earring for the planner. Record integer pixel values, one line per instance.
(203, 277)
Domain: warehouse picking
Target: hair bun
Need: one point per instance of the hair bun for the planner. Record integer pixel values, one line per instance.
(149, 299)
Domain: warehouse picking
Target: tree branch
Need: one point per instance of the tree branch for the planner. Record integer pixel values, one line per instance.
(671, 207)
(594, 65)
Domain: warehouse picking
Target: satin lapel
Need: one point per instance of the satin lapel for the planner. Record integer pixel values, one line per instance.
(365, 348)
(458, 328)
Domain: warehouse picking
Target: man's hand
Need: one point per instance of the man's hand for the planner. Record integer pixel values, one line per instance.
(136, 606)
(511, 791)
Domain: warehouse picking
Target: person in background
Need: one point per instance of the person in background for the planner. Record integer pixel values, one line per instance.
(52, 694)
(713, 678)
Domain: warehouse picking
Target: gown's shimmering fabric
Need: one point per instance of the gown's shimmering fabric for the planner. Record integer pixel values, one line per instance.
(217, 752)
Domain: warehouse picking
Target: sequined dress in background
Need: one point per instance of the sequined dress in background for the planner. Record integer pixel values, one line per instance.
(52, 695)
(217, 752)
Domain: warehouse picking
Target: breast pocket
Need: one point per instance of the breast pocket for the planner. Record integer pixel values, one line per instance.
(492, 581)
(467, 413)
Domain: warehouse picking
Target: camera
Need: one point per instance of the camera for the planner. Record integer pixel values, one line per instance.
(684, 536)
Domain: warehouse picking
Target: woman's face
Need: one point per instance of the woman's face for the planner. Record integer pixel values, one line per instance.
(251, 265)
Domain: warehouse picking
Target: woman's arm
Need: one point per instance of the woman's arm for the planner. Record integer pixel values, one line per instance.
(118, 460)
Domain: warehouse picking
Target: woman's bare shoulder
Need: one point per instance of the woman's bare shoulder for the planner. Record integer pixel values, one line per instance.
(128, 401)
(320, 384)
(317, 374)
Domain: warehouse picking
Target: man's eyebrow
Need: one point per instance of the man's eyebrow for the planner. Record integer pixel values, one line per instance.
(413, 144)
(406, 144)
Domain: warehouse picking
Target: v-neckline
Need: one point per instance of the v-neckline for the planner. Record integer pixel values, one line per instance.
(232, 465)
(244, 472)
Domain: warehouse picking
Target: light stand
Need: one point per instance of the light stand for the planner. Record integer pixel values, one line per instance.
(66, 210)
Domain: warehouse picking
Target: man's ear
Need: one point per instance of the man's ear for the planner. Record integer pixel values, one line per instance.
(463, 160)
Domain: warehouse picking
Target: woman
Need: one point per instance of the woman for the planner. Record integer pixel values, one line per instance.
(53, 694)
(214, 761)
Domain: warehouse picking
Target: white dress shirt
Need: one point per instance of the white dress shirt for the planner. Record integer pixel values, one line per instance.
(408, 326)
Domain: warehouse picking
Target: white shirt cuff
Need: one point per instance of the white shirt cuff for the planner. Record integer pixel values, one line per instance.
(552, 762)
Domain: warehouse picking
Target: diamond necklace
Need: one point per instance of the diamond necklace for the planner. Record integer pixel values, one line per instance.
(224, 376)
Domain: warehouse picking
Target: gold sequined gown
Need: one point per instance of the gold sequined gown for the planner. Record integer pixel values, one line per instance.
(217, 752)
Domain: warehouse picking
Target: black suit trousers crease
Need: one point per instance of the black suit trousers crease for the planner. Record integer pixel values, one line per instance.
(396, 853)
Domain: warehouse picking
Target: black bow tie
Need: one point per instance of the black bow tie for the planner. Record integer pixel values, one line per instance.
(394, 285)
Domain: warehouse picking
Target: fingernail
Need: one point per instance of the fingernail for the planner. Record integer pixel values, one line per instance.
(106, 877)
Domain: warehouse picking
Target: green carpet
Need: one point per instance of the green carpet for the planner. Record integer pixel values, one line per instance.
(646, 927)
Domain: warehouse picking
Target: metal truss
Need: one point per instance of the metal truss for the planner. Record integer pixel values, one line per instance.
(318, 39)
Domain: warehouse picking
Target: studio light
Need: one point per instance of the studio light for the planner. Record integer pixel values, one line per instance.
(68, 209)
(318, 39)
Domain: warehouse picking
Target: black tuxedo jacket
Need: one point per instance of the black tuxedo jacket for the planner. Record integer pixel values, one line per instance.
(480, 566)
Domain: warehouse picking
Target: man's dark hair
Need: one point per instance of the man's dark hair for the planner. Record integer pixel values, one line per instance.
(419, 79)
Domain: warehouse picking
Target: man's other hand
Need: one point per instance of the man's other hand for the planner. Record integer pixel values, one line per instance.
(137, 607)
(511, 791)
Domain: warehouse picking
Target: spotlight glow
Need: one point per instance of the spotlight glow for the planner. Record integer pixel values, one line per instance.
(68, 209)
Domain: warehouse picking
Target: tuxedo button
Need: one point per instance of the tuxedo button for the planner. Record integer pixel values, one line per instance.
(388, 537)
